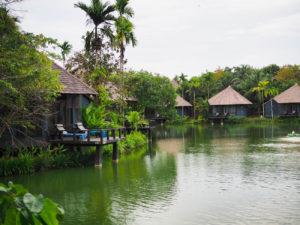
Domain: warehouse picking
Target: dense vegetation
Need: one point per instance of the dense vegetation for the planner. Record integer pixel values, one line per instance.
(256, 84)
(28, 85)
(19, 207)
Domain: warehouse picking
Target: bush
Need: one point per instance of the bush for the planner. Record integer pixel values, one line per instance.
(135, 120)
(134, 141)
(18, 206)
(38, 159)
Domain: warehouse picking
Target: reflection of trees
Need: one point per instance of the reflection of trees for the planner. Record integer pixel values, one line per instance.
(111, 194)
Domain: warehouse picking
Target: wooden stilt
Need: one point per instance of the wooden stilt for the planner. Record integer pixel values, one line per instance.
(98, 156)
(115, 152)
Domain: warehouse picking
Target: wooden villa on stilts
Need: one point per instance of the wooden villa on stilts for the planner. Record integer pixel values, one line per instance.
(228, 103)
(65, 126)
(286, 104)
(183, 107)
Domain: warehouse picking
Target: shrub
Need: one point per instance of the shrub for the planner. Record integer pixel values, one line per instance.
(18, 206)
(38, 159)
(134, 141)
(135, 120)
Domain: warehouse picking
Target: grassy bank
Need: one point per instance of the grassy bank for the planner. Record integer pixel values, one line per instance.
(31, 160)
(236, 120)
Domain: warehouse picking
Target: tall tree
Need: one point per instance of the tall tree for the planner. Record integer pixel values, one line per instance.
(101, 14)
(66, 48)
(28, 85)
(124, 29)
(124, 36)
(264, 90)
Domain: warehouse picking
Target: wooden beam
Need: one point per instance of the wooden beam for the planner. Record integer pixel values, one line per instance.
(115, 154)
(98, 156)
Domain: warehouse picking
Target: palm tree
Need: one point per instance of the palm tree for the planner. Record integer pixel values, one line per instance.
(124, 36)
(123, 9)
(194, 85)
(66, 48)
(124, 28)
(100, 14)
(263, 90)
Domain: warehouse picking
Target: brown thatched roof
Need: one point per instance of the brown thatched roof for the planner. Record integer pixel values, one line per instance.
(72, 84)
(291, 95)
(181, 102)
(228, 97)
(175, 83)
(114, 92)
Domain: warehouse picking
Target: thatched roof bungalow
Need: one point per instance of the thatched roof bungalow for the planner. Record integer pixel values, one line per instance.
(286, 104)
(228, 102)
(183, 107)
(75, 96)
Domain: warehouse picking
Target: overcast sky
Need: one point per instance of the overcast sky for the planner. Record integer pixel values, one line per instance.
(189, 36)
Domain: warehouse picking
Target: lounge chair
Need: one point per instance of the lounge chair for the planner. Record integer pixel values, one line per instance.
(80, 127)
(63, 133)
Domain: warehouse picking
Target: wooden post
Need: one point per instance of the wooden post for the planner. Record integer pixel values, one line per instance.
(113, 134)
(149, 134)
(98, 156)
(88, 136)
(115, 152)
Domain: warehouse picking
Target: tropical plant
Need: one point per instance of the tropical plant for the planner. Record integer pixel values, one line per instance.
(194, 84)
(100, 14)
(133, 142)
(94, 116)
(124, 36)
(19, 207)
(264, 90)
(135, 120)
(124, 28)
(66, 48)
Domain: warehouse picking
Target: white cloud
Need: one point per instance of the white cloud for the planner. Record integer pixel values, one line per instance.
(188, 36)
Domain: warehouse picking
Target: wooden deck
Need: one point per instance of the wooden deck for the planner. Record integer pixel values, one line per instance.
(98, 138)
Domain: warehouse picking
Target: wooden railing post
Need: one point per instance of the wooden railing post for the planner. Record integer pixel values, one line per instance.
(88, 135)
(101, 136)
(107, 131)
(114, 134)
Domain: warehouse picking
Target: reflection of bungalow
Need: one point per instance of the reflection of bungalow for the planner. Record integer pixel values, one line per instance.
(75, 96)
(182, 106)
(285, 104)
(228, 102)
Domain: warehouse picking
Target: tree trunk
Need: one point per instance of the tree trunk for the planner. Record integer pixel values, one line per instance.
(96, 49)
(194, 105)
(122, 53)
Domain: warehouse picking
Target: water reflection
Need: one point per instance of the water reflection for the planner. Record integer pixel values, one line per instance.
(191, 175)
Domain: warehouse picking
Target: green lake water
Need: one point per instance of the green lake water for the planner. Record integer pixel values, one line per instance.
(190, 175)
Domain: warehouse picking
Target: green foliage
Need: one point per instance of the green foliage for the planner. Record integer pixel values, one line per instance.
(28, 85)
(134, 141)
(154, 93)
(135, 120)
(257, 85)
(19, 207)
(37, 159)
(94, 116)
(66, 48)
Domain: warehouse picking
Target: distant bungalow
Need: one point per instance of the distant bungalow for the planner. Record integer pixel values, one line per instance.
(286, 104)
(183, 107)
(228, 102)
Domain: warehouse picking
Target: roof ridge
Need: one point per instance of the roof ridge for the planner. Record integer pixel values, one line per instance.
(81, 81)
